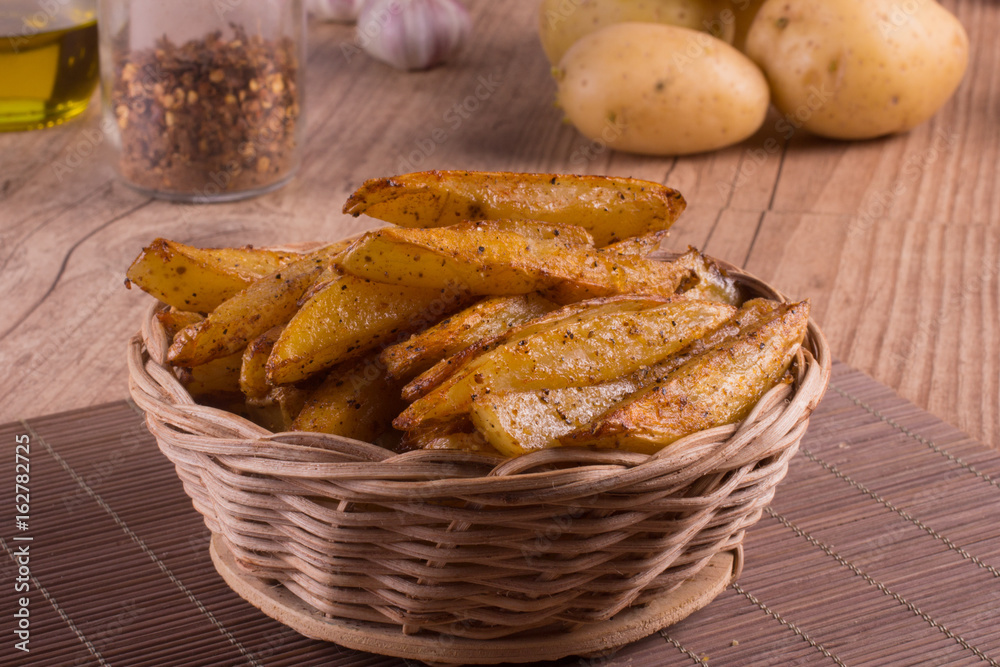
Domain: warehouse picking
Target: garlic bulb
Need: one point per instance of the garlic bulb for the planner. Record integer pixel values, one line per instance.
(412, 34)
(341, 11)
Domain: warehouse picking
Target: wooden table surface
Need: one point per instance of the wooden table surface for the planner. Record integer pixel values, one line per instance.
(896, 241)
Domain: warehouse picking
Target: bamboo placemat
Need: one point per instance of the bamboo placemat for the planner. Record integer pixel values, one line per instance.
(882, 547)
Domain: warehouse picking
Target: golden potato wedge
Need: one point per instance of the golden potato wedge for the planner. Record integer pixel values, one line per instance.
(266, 303)
(457, 435)
(350, 317)
(584, 349)
(609, 208)
(709, 281)
(357, 400)
(484, 319)
(277, 409)
(491, 262)
(174, 320)
(719, 386)
(517, 422)
(639, 246)
(448, 366)
(253, 370)
(218, 376)
(199, 279)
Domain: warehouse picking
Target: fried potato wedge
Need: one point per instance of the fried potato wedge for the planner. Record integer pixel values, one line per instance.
(253, 369)
(277, 409)
(448, 366)
(174, 320)
(199, 279)
(709, 281)
(518, 422)
(484, 319)
(609, 208)
(639, 246)
(219, 376)
(584, 349)
(266, 303)
(357, 400)
(350, 317)
(494, 262)
(719, 386)
(455, 435)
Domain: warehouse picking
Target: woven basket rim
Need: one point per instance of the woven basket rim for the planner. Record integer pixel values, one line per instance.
(170, 399)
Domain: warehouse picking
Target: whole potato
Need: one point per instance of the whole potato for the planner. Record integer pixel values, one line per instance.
(660, 89)
(563, 22)
(856, 69)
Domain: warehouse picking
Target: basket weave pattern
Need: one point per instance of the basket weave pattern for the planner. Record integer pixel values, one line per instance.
(463, 544)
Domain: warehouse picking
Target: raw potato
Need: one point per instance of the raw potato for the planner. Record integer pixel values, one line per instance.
(719, 386)
(586, 349)
(608, 207)
(660, 90)
(199, 279)
(857, 69)
(562, 24)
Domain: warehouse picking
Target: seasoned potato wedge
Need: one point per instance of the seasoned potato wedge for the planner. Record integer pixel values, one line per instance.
(638, 246)
(174, 320)
(448, 366)
(584, 349)
(609, 208)
(357, 400)
(277, 409)
(719, 386)
(489, 262)
(253, 370)
(517, 422)
(459, 434)
(199, 279)
(219, 376)
(484, 319)
(350, 317)
(266, 303)
(709, 282)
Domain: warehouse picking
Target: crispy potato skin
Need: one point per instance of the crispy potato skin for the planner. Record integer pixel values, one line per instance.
(447, 367)
(357, 400)
(484, 319)
(609, 208)
(350, 317)
(218, 376)
(492, 262)
(518, 422)
(719, 386)
(199, 279)
(266, 303)
(584, 349)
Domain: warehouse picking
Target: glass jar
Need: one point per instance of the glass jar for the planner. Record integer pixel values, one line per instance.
(203, 98)
(48, 61)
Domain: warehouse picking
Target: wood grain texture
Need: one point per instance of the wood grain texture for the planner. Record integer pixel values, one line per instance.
(895, 240)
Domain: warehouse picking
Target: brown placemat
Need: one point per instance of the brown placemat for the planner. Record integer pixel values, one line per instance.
(882, 547)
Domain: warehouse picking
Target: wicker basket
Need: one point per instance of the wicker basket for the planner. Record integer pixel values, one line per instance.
(466, 545)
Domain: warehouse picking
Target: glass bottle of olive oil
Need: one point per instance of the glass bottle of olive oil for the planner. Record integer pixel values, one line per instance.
(48, 61)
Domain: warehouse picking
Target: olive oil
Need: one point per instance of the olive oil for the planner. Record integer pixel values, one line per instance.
(48, 65)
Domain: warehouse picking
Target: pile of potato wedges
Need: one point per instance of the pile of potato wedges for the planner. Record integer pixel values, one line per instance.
(502, 313)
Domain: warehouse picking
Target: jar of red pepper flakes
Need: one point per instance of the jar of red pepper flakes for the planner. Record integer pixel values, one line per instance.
(204, 98)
